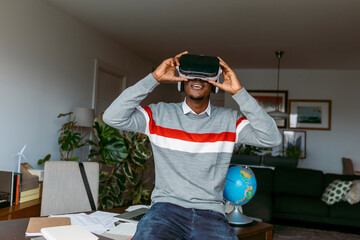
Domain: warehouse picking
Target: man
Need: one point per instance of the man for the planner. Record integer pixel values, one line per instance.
(192, 144)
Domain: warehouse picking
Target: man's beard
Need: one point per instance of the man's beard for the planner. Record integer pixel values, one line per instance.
(197, 98)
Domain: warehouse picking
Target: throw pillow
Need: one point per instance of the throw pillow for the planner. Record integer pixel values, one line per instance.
(336, 191)
(353, 196)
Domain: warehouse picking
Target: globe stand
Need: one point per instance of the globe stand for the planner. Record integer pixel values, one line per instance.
(236, 216)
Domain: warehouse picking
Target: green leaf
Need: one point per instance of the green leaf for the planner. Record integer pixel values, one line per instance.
(73, 159)
(64, 114)
(138, 161)
(107, 203)
(114, 189)
(45, 159)
(128, 170)
(104, 191)
(118, 201)
(121, 181)
(104, 176)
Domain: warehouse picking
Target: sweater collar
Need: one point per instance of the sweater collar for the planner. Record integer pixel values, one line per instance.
(187, 109)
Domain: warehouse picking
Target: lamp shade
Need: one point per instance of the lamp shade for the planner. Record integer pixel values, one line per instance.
(84, 117)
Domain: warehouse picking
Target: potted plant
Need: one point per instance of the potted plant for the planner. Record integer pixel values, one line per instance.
(69, 140)
(122, 157)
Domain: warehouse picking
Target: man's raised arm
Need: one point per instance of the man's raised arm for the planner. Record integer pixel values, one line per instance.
(259, 129)
(123, 113)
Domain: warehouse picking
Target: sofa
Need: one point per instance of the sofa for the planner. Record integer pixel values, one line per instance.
(295, 194)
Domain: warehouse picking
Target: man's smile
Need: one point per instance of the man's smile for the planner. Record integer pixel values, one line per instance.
(198, 85)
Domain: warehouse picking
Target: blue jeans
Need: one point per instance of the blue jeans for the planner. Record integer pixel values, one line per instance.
(171, 222)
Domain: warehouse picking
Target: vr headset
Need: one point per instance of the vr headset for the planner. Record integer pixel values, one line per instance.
(199, 67)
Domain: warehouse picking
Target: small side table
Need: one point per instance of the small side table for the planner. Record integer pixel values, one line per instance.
(255, 231)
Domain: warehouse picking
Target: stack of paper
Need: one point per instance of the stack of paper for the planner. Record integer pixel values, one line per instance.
(71, 232)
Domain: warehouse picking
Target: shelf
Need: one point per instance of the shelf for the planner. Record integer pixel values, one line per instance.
(23, 210)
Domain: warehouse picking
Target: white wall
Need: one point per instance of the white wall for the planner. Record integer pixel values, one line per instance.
(47, 68)
(324, 148)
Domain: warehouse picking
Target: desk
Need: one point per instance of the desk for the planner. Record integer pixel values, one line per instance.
(15, 229)
(23, 210)
(255, 231)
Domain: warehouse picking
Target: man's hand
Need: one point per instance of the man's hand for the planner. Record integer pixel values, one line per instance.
(165, 72)
(231, 83)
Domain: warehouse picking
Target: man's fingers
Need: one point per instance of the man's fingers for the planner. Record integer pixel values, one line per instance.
(180, 79)
(223, 63)
(172, 62)
(216, 84)
(177, 57)
(180, 54)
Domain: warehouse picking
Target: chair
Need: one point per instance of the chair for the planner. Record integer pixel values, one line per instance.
(348, 167)
(64, 190)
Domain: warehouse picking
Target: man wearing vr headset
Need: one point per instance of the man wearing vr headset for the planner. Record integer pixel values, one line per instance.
(192, 144)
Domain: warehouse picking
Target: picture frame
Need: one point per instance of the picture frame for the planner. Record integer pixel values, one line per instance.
(310, 114)
(267, 99)
(295, 138)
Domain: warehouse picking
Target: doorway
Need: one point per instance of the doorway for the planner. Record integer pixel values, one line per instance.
(109, 82)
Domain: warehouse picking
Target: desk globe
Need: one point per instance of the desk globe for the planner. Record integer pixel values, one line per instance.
(240, 187)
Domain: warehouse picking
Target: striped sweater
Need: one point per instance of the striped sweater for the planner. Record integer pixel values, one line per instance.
(191, 152)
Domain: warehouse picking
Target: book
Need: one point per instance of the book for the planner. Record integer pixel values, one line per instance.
(16, 188)
(70, 232)
(24, 168)
(37, 223)
(37, 172)
(6, 181)
(29, 192)
(30, 197)
(29, 182)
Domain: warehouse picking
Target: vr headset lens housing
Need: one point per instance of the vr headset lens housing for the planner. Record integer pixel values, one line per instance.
(199, 67)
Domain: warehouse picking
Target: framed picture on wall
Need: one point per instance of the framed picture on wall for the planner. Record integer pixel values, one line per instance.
(294, 142)
(269, 99)
(310, 114)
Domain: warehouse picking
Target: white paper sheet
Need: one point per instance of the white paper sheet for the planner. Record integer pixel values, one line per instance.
(97, 222)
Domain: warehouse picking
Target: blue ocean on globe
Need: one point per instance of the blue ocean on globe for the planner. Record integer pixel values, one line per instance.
(240, 185)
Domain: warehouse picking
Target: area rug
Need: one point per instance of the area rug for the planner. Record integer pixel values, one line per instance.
(298, 233)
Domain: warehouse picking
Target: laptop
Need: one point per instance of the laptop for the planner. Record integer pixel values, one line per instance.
(132, 216)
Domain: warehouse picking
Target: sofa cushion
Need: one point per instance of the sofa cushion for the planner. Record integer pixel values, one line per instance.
(336, 191)
(353, 196)
(298, 182)
(264, 179)
(259, 207)
(344, 210)
(300, 206)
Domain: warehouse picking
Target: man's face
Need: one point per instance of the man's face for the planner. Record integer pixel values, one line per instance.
(197, 89)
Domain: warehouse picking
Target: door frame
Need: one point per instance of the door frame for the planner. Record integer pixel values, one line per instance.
(105, 67)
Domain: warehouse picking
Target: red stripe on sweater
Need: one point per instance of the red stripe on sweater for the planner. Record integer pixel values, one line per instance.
(240, 120)
(182, 135)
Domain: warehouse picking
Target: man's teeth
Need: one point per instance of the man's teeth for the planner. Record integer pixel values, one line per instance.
(197, 85)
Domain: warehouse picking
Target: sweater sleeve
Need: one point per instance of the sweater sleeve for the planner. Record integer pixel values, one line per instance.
(257, 128)
(125, 112)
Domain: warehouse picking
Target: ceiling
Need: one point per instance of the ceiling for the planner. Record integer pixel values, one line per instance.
(314, 34)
